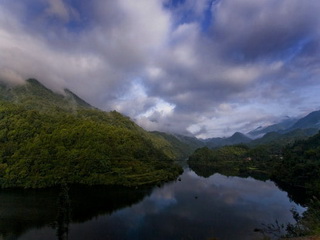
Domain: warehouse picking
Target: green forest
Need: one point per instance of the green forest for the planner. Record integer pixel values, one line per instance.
(47, 139)
(295, 164)
(235, 160)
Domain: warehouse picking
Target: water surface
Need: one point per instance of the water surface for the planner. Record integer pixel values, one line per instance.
(218, 207)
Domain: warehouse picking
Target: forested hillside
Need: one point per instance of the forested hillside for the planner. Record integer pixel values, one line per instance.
(47, 139)
(296, 164)
(180, 146)
(300, 165)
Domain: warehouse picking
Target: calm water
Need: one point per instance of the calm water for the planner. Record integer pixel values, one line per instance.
(217, 207)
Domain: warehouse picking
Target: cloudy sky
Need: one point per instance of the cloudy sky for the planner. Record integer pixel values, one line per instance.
(202, 67)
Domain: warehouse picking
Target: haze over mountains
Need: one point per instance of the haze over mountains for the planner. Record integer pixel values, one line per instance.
(234, 139)
(177, 145)
(282, 125)
(286, 130)
(312, 120)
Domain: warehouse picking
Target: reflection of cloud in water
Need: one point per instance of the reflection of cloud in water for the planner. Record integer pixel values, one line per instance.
(158, 201)
(134, 217)
(195, 208)
(236, 189)
(163, 198)
(212, 204)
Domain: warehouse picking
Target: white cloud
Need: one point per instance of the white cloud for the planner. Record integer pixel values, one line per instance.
(11, 77)
(159, 66)
(161, 108)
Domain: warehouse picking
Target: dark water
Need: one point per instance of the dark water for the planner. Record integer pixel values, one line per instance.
(217, 207)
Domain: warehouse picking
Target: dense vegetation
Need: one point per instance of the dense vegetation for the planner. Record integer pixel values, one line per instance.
(236, 160)
(180, 146)
(308, 223)
(47, 139)
(293, 166)
(300, 165)
(296, 165)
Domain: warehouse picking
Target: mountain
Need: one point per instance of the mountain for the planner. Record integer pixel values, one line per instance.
(312, 120)
(180, 146)
(283, 139)
(47, 139)
(236, 138)
(73, 98)
(283, 125)
(34, 95)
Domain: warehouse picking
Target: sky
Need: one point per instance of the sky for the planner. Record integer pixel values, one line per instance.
(206, 68)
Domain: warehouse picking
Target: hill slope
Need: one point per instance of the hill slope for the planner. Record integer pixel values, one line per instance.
(33, 95)
(283, 139)
(48, 139)
(180, 146)
(312, 120)
(236, 138)
(278, 127)
(300, 165)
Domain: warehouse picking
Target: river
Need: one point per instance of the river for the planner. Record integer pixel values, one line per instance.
(193, 207)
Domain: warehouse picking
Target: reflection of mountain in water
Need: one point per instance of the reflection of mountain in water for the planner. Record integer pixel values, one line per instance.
(192, 208)
(89, 202)
(298, 195)
(207, 171)
(21, 210)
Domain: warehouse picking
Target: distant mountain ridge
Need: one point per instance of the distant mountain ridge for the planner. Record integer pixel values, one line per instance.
(285, 132)
(278, 127)
(236, 138)
(284, 138)
(312, 120)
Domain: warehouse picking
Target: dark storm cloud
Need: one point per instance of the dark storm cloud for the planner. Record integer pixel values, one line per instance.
(253, 29)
